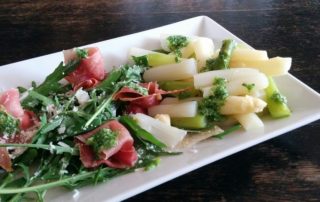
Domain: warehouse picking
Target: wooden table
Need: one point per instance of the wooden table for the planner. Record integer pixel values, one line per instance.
(286, 168)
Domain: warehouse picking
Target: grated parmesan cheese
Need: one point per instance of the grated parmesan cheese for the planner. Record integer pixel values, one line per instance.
(61, 129)
(75, 109)
(82, 96)
(51, 147)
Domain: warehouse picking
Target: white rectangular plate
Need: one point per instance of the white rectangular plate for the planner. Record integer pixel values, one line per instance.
(303, 101)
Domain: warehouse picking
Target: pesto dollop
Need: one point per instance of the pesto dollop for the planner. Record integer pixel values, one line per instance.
(103, 139)
(140, 89)
(210, 106)
(8, 124)
(176, 42)
(141, 60)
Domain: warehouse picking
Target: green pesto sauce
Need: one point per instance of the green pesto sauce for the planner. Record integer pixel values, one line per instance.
(278, 98)
(103, 139)
(249, 86)
(210, 106)
(138, 88)
(175, 43)
(141, 60)
(8, 124)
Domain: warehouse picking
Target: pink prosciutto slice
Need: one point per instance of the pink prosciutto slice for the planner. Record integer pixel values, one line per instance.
(138, 102)
(121, 156)
(9, 101)
(90, 71)
(134, 109)
(5, 161)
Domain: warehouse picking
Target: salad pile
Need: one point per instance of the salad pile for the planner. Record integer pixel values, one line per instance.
(83, 125)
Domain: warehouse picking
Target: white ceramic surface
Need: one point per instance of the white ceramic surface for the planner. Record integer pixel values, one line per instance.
(303, 101)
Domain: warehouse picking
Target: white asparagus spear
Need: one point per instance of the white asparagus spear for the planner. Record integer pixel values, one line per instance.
(169, 135)
(242, 105)
(273, 67)
(185, 109)
(183, 70)
(173, 100)
(203, 49)
(241, 54)
(249, 121)
(206, 78)
(237, 86)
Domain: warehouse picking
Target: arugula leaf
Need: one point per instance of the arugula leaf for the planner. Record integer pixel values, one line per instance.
(100, 109)
(51, 84)
(53, 124)
(23, 181)
(21, 89)
(50, 147)
(108, 83)
(128, 74)
(228, 131)
(82, 53)
(121, 76)
(14, 183)
(6, 180)
(86, 177)
(58, 167)
(27, 158)
(43, 99)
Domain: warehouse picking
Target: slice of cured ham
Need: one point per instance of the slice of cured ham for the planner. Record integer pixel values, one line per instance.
(9, 101)
(139, 102)
(121, 156)
(5, 161)
(90, 71)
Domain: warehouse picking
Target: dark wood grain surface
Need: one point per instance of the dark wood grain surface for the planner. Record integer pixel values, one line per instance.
(286, 168)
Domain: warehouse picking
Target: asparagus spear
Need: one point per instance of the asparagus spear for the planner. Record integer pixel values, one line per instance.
(177, 85)
(154, 59)
(196, 122)
(140, 132)
(277, 103)
(158, 59)
(223, 59)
